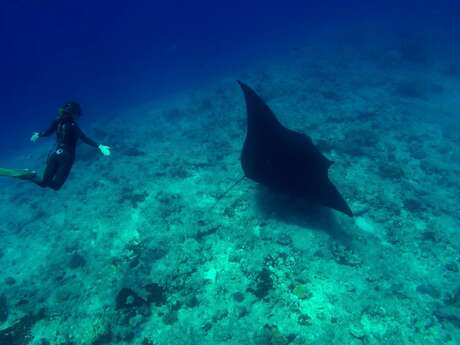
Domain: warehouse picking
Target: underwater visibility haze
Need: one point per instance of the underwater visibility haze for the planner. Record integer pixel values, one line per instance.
(125, 141)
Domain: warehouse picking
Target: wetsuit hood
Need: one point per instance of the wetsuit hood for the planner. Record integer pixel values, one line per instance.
(70, 109)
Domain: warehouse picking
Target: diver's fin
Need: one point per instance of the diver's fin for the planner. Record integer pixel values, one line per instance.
(18, 173)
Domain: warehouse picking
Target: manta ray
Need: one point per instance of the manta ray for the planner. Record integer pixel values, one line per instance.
(284, 160)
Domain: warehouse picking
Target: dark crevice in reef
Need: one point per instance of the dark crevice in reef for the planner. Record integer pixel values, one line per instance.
(264, 283)
(19, 333)
(3, 309)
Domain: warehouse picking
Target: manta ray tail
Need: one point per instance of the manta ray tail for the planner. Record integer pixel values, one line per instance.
(234, 184)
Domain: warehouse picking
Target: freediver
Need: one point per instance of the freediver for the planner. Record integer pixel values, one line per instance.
(60, 161)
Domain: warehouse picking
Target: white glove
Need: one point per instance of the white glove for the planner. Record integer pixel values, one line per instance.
(105, 150)
(35, 136)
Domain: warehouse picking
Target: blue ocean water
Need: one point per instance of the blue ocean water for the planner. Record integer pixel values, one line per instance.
(110, 55)
(98, 53)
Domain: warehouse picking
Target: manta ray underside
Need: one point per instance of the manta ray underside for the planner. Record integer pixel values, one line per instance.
(285, 160)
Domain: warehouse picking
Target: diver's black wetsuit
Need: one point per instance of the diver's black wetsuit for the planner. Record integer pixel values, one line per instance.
(61, 160)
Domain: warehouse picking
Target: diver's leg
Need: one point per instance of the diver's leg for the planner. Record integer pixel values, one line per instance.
(50, 171)
(65, 163)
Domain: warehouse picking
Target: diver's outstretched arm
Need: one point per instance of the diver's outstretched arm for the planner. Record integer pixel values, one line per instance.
(51, 129)
(105, 150)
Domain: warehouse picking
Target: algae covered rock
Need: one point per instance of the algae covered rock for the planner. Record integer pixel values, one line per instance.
(301, 292)
(271, 335)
